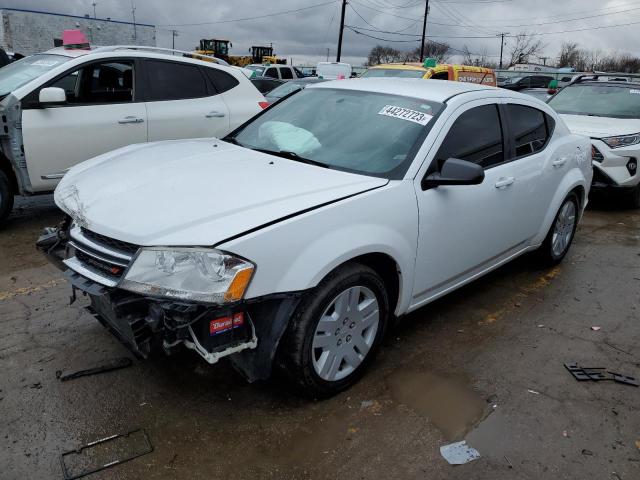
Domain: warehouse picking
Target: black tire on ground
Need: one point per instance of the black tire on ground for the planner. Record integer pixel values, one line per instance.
(546, 252)
(6, 198)
(295, 352)
(634, 197)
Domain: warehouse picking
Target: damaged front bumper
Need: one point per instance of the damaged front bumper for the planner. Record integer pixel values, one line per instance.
(248, 332)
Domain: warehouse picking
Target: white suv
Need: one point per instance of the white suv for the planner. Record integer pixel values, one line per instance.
(62, 107)
(291, 243)
(608, 112)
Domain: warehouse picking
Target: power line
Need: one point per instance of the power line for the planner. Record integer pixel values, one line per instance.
(284, 12)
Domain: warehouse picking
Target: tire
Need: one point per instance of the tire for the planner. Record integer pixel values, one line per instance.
(557, 244)
(324, 362)
(6, 198)
(634, 197)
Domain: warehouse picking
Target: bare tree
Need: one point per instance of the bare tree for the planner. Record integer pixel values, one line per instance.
(480, 59)
(437, 50)
(523, 46)
(383, 54)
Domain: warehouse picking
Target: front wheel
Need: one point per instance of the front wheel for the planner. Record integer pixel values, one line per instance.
(6, 198)
(563, 229)
(336, 331)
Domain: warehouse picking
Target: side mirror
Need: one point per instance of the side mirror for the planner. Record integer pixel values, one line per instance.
(455, 172)
(52, 96)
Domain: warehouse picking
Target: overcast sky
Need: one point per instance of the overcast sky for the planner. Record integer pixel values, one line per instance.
(306, 35)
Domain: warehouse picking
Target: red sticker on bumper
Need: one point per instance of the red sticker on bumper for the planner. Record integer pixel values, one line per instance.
(220, 325)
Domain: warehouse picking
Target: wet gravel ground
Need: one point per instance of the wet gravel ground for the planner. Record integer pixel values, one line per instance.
(484, 363)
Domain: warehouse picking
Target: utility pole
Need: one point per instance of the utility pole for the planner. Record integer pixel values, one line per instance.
(424, 30)
(344, 7)
(501, 35)
(328, 54)
(133, 14)
(94, 9)
(174, 34)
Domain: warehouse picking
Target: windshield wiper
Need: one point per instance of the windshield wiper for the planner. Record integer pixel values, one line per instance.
(292, 156)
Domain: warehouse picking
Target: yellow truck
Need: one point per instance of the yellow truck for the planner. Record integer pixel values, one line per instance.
(437, 71)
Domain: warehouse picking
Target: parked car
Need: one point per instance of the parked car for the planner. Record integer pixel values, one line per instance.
(609, 114)
(266, 84)
(277, 71)
(291, 244)
(292, 86)
(333, 70)
(64, 106)
(539, 93)
(435, 71)
(528, 81)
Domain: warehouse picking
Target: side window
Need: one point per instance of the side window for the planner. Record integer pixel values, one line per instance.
(286, 73)
(108, 82)
(476, 136)
(529, 128)
(174, 81)
(221, 80)
(440, 76)
(271, 72)
(299, 74)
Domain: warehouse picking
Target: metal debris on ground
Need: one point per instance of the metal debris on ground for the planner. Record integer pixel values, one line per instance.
(597, 374)
(534, 392)
(459, 453)
(71, 473)
(115, 364)
(595, 329)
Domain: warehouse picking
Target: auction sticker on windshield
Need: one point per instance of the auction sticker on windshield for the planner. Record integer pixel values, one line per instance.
(405, 114)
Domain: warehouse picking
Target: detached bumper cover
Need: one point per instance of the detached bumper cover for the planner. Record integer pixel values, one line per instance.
(146, 324)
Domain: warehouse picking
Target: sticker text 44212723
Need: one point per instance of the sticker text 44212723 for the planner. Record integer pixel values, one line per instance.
(405, 114)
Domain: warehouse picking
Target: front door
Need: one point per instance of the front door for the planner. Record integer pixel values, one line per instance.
(100, 114)
(465, 229)
(182, 104)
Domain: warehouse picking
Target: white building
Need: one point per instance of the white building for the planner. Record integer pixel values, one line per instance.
(29, 31)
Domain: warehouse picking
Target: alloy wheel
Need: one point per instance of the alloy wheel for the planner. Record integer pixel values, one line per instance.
(563, 228)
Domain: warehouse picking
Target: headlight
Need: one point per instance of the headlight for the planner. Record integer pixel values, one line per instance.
(203, 275)
(622, 141)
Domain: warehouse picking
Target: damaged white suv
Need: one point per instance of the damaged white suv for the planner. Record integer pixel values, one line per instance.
(296, 239)
(65, 106)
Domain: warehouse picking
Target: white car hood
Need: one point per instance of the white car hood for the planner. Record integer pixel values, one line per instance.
(599, 127)
(191, 192)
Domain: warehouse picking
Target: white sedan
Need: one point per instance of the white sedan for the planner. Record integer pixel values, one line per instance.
(295, 240)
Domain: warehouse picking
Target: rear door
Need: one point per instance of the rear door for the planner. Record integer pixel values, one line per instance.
(103, 112)
(182, 103)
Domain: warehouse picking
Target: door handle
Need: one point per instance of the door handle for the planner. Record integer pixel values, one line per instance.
(214, 114)
(559, 162)
(505, 182)
(130, 119)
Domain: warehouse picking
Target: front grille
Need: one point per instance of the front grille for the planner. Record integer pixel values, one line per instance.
(100, 266)
(118, 245)
(98, 257)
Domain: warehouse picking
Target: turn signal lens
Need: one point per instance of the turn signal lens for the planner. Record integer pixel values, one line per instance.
(236, 289)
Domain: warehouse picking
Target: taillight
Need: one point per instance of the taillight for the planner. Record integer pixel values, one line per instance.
(263, 105)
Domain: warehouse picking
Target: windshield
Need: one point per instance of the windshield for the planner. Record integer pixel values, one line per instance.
(20, 73)
(257, 69)
(285, 89)
(617, 101)
(393, 72)
(363, 132)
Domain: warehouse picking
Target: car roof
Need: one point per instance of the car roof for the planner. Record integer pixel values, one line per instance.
(433, 90)
(611, 83)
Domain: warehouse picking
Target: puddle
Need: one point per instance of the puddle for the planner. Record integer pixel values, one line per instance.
(451, 405)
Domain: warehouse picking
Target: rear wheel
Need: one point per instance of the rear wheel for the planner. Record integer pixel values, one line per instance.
(336, 331)
(6, 197)
(560, 236)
